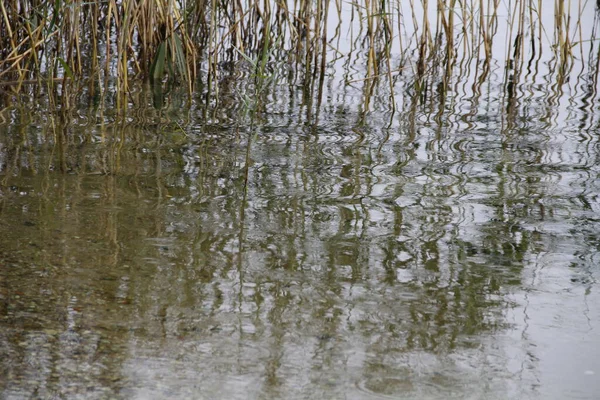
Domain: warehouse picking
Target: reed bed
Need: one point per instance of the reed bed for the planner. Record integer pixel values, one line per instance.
(62, 47)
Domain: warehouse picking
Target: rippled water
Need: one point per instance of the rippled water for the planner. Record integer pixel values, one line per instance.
(327, 253)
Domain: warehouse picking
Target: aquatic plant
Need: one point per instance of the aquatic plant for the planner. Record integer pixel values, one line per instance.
(64, 46)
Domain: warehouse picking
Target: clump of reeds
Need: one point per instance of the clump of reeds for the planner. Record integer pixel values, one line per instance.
(110, 43)
(48, 42)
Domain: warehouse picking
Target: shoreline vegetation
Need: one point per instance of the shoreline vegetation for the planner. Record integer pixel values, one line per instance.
(62, 47)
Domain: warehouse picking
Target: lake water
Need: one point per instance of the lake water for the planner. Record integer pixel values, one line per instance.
(186, 250)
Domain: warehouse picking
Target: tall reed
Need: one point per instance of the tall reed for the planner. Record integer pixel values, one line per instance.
(106, 45)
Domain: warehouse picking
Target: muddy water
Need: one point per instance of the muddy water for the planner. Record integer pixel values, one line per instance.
(190, 254)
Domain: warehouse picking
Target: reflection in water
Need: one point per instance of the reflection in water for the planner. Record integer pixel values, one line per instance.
(324, 262)
(447, 250)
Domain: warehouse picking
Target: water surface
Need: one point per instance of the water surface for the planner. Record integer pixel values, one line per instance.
(447, 250)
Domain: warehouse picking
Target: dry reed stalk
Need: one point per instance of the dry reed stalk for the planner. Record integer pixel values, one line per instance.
(118, 42)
